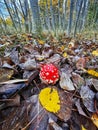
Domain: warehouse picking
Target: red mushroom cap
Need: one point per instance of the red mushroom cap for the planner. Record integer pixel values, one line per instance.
(49, 73)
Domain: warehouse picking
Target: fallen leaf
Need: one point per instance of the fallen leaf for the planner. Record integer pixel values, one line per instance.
(53, 125)
(80, 110)
(30, 64)
(94, 82)
(56, 58)
(77, 79)
(5, 74)
(92, 72)
(87, 96)
(65, 82)
(65, 55)
(83, 128)
(66, 105)
(94, 118)
(37, 115)
(49, 99)
(14, 101)
(14, 56)
(9, 89)
(41, 42)
(95, 52)
(81, 63)
(71, 44)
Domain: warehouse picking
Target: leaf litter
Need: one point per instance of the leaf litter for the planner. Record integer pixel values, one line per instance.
(21, 86)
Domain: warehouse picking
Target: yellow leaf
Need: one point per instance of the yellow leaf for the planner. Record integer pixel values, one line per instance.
(92, 72)
(71, 44)
(62, 47)
(83, 128)
(95, 52)
(40, 41)
(94, 118)
(65, 54)
(49, 99)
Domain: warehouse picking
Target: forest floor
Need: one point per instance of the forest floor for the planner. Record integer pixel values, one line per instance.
(28, 102)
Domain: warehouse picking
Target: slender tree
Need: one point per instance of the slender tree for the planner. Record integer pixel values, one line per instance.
(78, 15)
(35, 14)
(70, 17)
(52, 15)
(16, 13)
(84, 13)
(7, 6)
(64, 13)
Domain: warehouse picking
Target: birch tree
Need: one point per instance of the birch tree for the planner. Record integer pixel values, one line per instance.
(70, 17)
(35, 14)
(78, 15)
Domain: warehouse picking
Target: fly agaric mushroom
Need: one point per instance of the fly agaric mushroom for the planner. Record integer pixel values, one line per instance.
(49, 73)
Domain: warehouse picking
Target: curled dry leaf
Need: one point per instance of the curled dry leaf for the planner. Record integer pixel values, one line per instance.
(94, 82)
(87, 96)
(6, 65)
(65, 82)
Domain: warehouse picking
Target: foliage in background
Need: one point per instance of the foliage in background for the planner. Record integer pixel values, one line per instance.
(49, 16)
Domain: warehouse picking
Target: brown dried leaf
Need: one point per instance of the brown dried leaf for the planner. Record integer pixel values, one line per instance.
(54, 59)
(5, 74)
(66, 105)
(14, 56)
(87, 96)
(80, 110)
(94, 82)
(77, 79)
(81, 63)
(94, 118)
(30, 64)
(65, 82)
(15, 101)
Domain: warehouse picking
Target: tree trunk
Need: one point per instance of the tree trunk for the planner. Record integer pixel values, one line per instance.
(36, 15)
(70, 17)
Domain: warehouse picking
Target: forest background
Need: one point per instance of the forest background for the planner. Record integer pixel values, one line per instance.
(54, 17)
